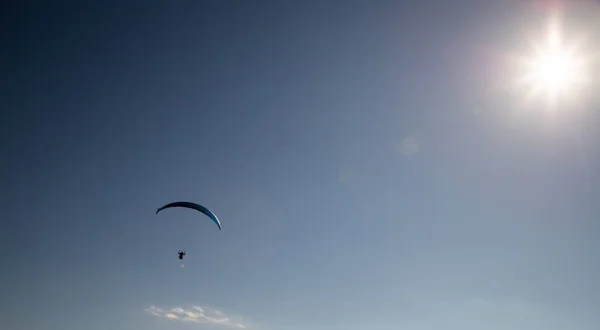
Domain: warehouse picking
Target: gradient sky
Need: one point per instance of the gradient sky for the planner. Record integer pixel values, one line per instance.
(367, 170)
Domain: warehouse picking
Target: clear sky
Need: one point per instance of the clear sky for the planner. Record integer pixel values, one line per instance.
(368, 170)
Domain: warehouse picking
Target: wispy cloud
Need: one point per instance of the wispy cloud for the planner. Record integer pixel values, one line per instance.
(198, 314)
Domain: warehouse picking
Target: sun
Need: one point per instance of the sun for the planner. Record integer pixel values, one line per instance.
(553, 69)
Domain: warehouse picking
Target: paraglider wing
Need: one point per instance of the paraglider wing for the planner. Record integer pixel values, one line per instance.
(194, 206)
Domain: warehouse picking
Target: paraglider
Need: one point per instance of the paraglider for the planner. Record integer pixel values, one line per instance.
(193, 206)
(196, 207)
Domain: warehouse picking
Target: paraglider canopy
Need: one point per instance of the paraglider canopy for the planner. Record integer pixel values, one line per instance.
(193, 206)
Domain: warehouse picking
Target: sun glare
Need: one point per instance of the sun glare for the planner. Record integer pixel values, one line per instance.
(552, 70)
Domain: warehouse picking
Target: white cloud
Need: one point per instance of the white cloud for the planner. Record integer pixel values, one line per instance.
(409, 146)
(198, 314)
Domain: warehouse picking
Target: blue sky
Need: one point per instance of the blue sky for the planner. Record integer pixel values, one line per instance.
(367, 170)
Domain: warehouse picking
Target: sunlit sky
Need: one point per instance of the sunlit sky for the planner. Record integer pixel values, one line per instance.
(375, 165)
